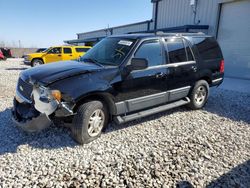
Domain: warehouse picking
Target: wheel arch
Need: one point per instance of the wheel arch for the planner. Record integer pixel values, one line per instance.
(39, 58)
(104, 97)
(205, 75)
(207, 79)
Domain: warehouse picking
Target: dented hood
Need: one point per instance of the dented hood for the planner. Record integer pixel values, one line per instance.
(52, 72)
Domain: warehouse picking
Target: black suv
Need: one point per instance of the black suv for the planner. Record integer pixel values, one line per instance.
(122, 78)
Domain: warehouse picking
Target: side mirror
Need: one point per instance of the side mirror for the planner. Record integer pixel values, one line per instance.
(138, 64)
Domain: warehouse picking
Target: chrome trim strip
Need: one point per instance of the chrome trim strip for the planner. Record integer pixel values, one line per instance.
(20, 98)
(179, 89)
(168, 66)
(181, 64)
(217, 80)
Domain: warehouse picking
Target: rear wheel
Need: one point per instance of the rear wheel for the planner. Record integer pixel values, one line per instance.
(89, 122)
(199, 95)
(36, 62)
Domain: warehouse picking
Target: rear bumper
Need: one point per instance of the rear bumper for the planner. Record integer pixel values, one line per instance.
(217, 82)
(30, 120)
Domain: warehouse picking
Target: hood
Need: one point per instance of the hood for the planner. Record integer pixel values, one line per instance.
(36, 54)
(49, 73)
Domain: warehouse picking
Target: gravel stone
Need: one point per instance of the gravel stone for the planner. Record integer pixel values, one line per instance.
(177, 148)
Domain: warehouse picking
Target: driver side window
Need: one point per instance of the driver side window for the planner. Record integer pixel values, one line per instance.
(55, 51)
(152, 51)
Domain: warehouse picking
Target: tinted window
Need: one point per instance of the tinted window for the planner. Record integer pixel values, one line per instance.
(176, 50)
(208, 48)
(150, 50)
(67, 50)
(82, 49)
(55, 51)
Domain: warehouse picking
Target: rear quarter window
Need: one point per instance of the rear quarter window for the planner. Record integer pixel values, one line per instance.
(82, 49)
(208, 48)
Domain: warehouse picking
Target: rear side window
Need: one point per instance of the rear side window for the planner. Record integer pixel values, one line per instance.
(176, 50)
(208, 48)
(150, 50)
(67, 50)
(82, 49)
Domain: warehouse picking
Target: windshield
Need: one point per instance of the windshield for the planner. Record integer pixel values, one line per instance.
(46, 50)
(109, 51)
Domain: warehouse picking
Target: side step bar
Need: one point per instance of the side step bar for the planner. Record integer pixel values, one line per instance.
(124, 119)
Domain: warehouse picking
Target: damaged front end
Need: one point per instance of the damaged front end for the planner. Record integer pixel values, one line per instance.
(35, 106)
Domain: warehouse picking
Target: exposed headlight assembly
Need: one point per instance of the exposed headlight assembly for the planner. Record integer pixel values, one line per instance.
(46, 100)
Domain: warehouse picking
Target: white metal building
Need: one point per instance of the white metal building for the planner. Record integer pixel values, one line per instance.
(227, 20)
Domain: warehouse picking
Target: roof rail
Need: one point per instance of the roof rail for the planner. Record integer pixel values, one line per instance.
(178, 33)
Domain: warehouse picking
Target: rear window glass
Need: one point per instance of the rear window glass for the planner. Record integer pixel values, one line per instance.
(176, 50)
(67, 50)
(82, 49)
(208, 48)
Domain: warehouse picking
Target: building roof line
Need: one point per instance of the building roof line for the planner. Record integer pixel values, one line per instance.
(116, 27)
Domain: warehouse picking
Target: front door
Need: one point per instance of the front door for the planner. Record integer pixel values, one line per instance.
(145, 88)
(55, 54)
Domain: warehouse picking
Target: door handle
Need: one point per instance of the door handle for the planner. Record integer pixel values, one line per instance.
(70, 55)
(59, 55)
(194, 68)
(160, 75)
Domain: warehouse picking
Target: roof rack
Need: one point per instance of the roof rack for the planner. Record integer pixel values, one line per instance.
(179, 33)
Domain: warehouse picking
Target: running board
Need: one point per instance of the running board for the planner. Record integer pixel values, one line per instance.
(141, 114)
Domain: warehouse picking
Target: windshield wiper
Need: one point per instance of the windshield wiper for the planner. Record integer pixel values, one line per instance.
(93, 61)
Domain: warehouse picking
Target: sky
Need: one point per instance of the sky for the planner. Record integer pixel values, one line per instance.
(44, 23)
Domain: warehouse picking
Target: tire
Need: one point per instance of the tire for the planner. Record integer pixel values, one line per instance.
(82, 123)
(36, 62)
(199, 95)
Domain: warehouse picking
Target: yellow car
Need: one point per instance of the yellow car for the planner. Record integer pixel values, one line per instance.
(54, 54)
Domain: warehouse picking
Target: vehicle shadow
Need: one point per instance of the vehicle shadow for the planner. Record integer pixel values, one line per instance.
(229, 104)
(53, 137)
(16, 69)
(12, 137)
(236, 177)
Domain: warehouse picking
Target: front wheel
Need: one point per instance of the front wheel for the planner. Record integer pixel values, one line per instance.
(89, 122)
(199, 95)
(36, 62)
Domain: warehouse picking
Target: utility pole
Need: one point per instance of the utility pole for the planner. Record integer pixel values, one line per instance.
(156, 12)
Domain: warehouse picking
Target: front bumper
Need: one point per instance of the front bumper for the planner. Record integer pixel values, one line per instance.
(27, 62)
(27, 118)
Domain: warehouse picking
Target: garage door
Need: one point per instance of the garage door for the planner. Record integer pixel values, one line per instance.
(234, 38)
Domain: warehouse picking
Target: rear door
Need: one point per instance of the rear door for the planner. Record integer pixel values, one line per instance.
(181, 66)
(53, 55)
(67, 54)
(145, 88)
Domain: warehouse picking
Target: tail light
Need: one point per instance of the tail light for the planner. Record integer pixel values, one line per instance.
(222, 66)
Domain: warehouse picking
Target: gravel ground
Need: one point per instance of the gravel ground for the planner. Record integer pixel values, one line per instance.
(177, 148)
